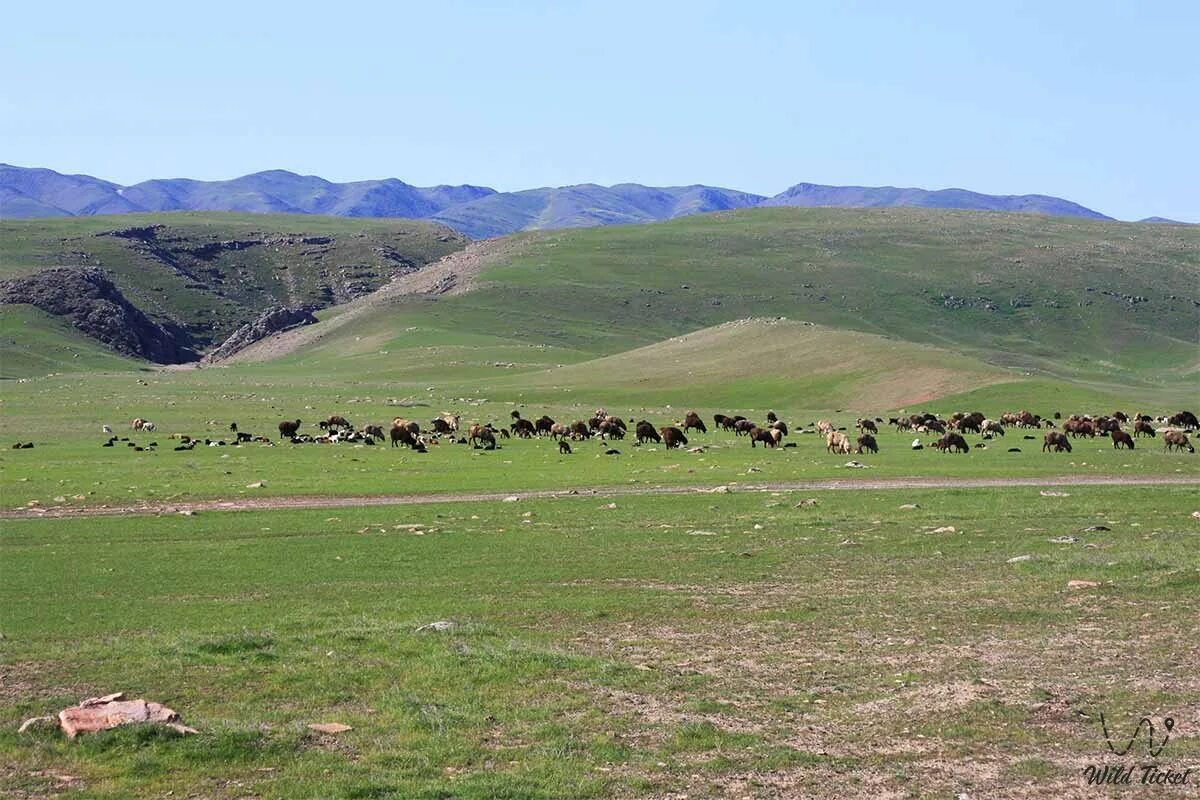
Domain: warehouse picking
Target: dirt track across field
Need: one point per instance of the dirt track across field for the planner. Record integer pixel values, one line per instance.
(350, 501)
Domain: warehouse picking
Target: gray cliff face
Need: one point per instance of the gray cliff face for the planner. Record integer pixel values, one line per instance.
(89, 300)
(274, 321)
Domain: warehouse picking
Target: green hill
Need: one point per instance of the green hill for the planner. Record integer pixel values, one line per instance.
(1061, 297)
(35, 343)
(207, 273)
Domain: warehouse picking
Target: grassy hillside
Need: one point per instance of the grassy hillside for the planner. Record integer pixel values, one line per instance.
(210, 272)
(1106, 301)
(35, 343)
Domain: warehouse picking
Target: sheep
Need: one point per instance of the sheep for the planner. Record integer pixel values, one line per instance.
(952, 443)
(867, 442)
(866, 426)
(564, 447)
(692, 420)
(836, 442)
(1177, 440)
(287, 429)
(481, 433)
(646, 433)
(1120, 437)
(1143, 428)
(1056, 442)
(672, 437)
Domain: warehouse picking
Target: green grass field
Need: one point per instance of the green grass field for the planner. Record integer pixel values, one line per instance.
(715, 646)
(618, 644)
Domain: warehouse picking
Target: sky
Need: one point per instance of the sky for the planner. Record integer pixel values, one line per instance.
(1098, 102)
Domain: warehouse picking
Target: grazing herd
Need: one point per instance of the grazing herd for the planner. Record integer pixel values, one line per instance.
(1058, 433)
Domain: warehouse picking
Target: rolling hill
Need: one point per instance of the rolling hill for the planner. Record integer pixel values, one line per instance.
(476, 211)
(1058, 297)
(203, 275)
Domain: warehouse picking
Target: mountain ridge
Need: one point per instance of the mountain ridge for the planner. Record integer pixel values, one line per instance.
(477, 211)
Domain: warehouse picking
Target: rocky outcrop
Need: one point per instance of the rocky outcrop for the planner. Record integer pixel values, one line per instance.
(94, 305)
(273, 321)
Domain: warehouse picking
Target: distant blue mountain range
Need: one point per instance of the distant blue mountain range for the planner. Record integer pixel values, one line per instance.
(477, 211)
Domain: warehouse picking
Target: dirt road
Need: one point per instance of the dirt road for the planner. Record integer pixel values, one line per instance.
(350, 501)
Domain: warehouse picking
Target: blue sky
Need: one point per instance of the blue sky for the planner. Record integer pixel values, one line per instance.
(1098, 102)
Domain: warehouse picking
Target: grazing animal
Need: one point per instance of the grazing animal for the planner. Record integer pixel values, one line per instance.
(771, 416)
(743, 427)
(411, 424)
(837, 442)
(481, 433)
(1120, 437)
(612, 451)
(401, 435)
(580, 430)
(523, 428)
(611, 428)
(824, 427)
(1143, 428)
(723, 422)
(243, 437)
(867, 442)
(867, 426)
(916, 445)
(692, 420)
(373, 432)
(544, 425)
(233, 427)
(780, 426)
(646, 433)
(148, 426)
(564, 447)
(288, 428)
(952, 443)
(1184, 419)
(450, 419)
(137, 424)
(672, 437)
(991, 427)
(558, 431)
(1177, 440)
(106, 429)
(767, 436)
(1056, 442)
(335, 422)
(440, 425)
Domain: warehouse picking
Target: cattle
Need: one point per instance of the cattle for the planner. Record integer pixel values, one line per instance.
(867, 442)
(523, 428)
(1143, 428)
(672, 437)
(1056, 442)
(1177, 440)
(1184, 419)
(564, 447)
(288, 428)
(692, 420)
(952, 443)
(837, 442)
(646, 433)
(477, 434)
(1120, 437)
(866, 426)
